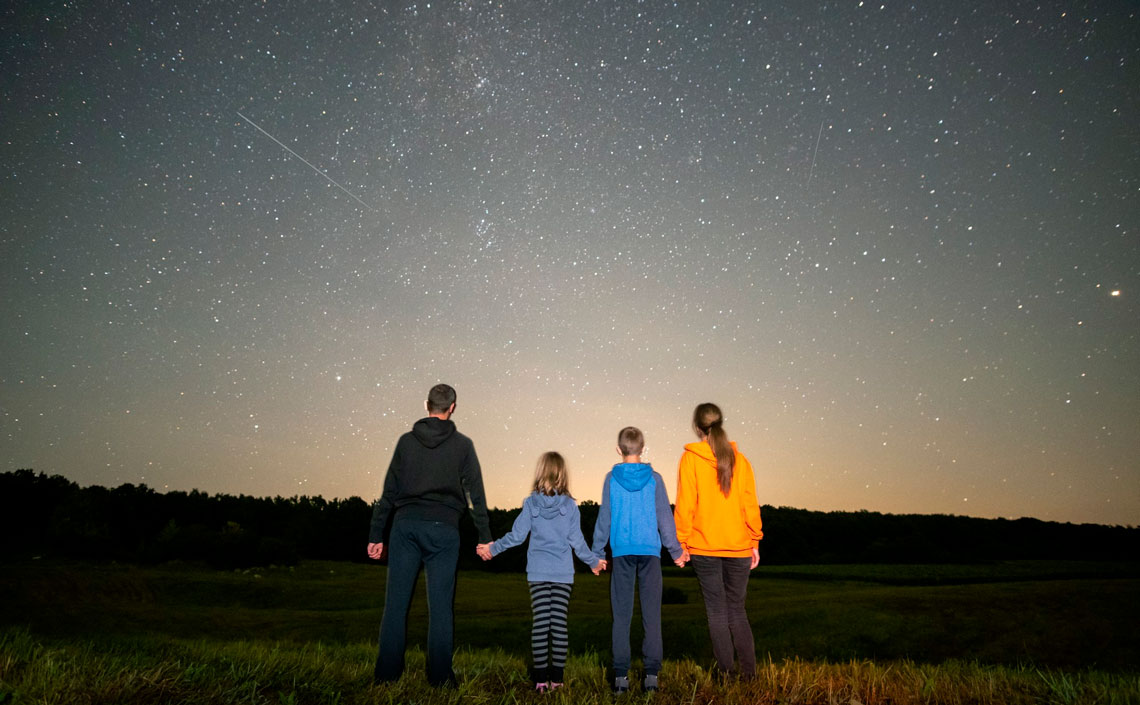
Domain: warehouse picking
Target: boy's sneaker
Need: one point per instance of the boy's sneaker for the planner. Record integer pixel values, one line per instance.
(651, 683)
(621, 684)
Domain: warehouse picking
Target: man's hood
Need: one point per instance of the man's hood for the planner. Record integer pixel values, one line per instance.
(633, 476)
(432, 432)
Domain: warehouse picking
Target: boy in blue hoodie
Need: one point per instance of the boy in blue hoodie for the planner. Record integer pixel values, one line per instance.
(635, 520)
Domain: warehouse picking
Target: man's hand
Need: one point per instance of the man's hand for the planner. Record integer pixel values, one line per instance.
(375, 551)
(755, 558)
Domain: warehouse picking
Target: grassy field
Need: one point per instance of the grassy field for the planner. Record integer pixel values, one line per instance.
(1016, 632)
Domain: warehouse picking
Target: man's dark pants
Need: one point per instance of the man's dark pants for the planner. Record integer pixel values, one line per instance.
(645, 572)
(435, 546)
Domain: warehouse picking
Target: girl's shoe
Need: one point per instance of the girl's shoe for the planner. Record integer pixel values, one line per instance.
(542, 687)
(555, 686)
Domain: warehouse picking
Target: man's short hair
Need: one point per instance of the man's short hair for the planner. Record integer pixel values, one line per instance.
(631, 441)
(440, 399)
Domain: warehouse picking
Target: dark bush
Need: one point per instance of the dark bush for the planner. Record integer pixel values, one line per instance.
(671, 595)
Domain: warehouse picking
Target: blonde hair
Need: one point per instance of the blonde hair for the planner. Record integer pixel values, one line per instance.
(707, 419)
(550, 476)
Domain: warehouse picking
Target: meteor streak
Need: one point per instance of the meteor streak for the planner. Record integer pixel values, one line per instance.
(813, 154)
(327, 177)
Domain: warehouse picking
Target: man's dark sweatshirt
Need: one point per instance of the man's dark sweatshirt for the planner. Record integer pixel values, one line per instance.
(434, 468)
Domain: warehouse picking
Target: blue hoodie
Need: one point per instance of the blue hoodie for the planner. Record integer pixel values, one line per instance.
(554, 525)
(635, 517)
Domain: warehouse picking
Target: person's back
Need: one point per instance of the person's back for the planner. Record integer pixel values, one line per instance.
(633, 510)
(552, 523)
(635, 520)
(550, 517)
(719, 526)
(433, 470)
(555, 532)
(443, 460)
(712, 526)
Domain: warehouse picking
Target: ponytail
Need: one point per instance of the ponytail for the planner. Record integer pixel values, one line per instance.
(708, 420)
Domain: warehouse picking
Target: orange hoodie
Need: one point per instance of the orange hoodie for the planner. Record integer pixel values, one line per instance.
(708, 523)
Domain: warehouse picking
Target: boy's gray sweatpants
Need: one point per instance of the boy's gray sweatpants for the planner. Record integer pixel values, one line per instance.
(644, 573)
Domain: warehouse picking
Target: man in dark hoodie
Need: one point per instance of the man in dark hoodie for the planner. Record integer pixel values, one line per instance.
(636, 521)
(433, 470)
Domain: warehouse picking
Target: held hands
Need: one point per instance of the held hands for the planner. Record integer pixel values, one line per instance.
(484, 550)
(375, 551)
(599, 567)
(681, 560)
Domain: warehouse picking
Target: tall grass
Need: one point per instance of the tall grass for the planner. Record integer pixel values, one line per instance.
(201, 672)
(1009, 633)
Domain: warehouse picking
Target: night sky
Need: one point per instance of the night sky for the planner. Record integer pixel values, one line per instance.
(898, 243)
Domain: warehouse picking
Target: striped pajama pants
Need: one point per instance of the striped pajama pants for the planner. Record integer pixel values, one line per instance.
(549, 637)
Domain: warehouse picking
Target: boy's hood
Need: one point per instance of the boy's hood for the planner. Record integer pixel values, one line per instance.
(704, 451)
(633, 476)
(549, 506)
(432, 432)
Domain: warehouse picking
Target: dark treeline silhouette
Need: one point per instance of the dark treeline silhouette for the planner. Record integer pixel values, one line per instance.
(802, 536)
(53, 516)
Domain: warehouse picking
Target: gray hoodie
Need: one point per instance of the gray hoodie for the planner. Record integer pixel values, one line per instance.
(554, 526)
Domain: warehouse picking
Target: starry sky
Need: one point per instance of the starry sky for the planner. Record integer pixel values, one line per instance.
(896, 242)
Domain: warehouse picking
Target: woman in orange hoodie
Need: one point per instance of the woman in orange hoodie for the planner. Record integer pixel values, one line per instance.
(718, 526)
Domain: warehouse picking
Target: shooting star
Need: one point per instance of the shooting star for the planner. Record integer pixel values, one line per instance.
(327, 177)
(813, 154)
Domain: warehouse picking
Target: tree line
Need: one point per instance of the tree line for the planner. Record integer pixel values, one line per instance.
(43, 515)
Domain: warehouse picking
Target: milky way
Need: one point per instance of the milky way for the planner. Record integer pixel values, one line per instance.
(896, 242)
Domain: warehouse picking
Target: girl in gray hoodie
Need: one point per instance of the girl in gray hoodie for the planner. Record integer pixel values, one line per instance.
(550, 516)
